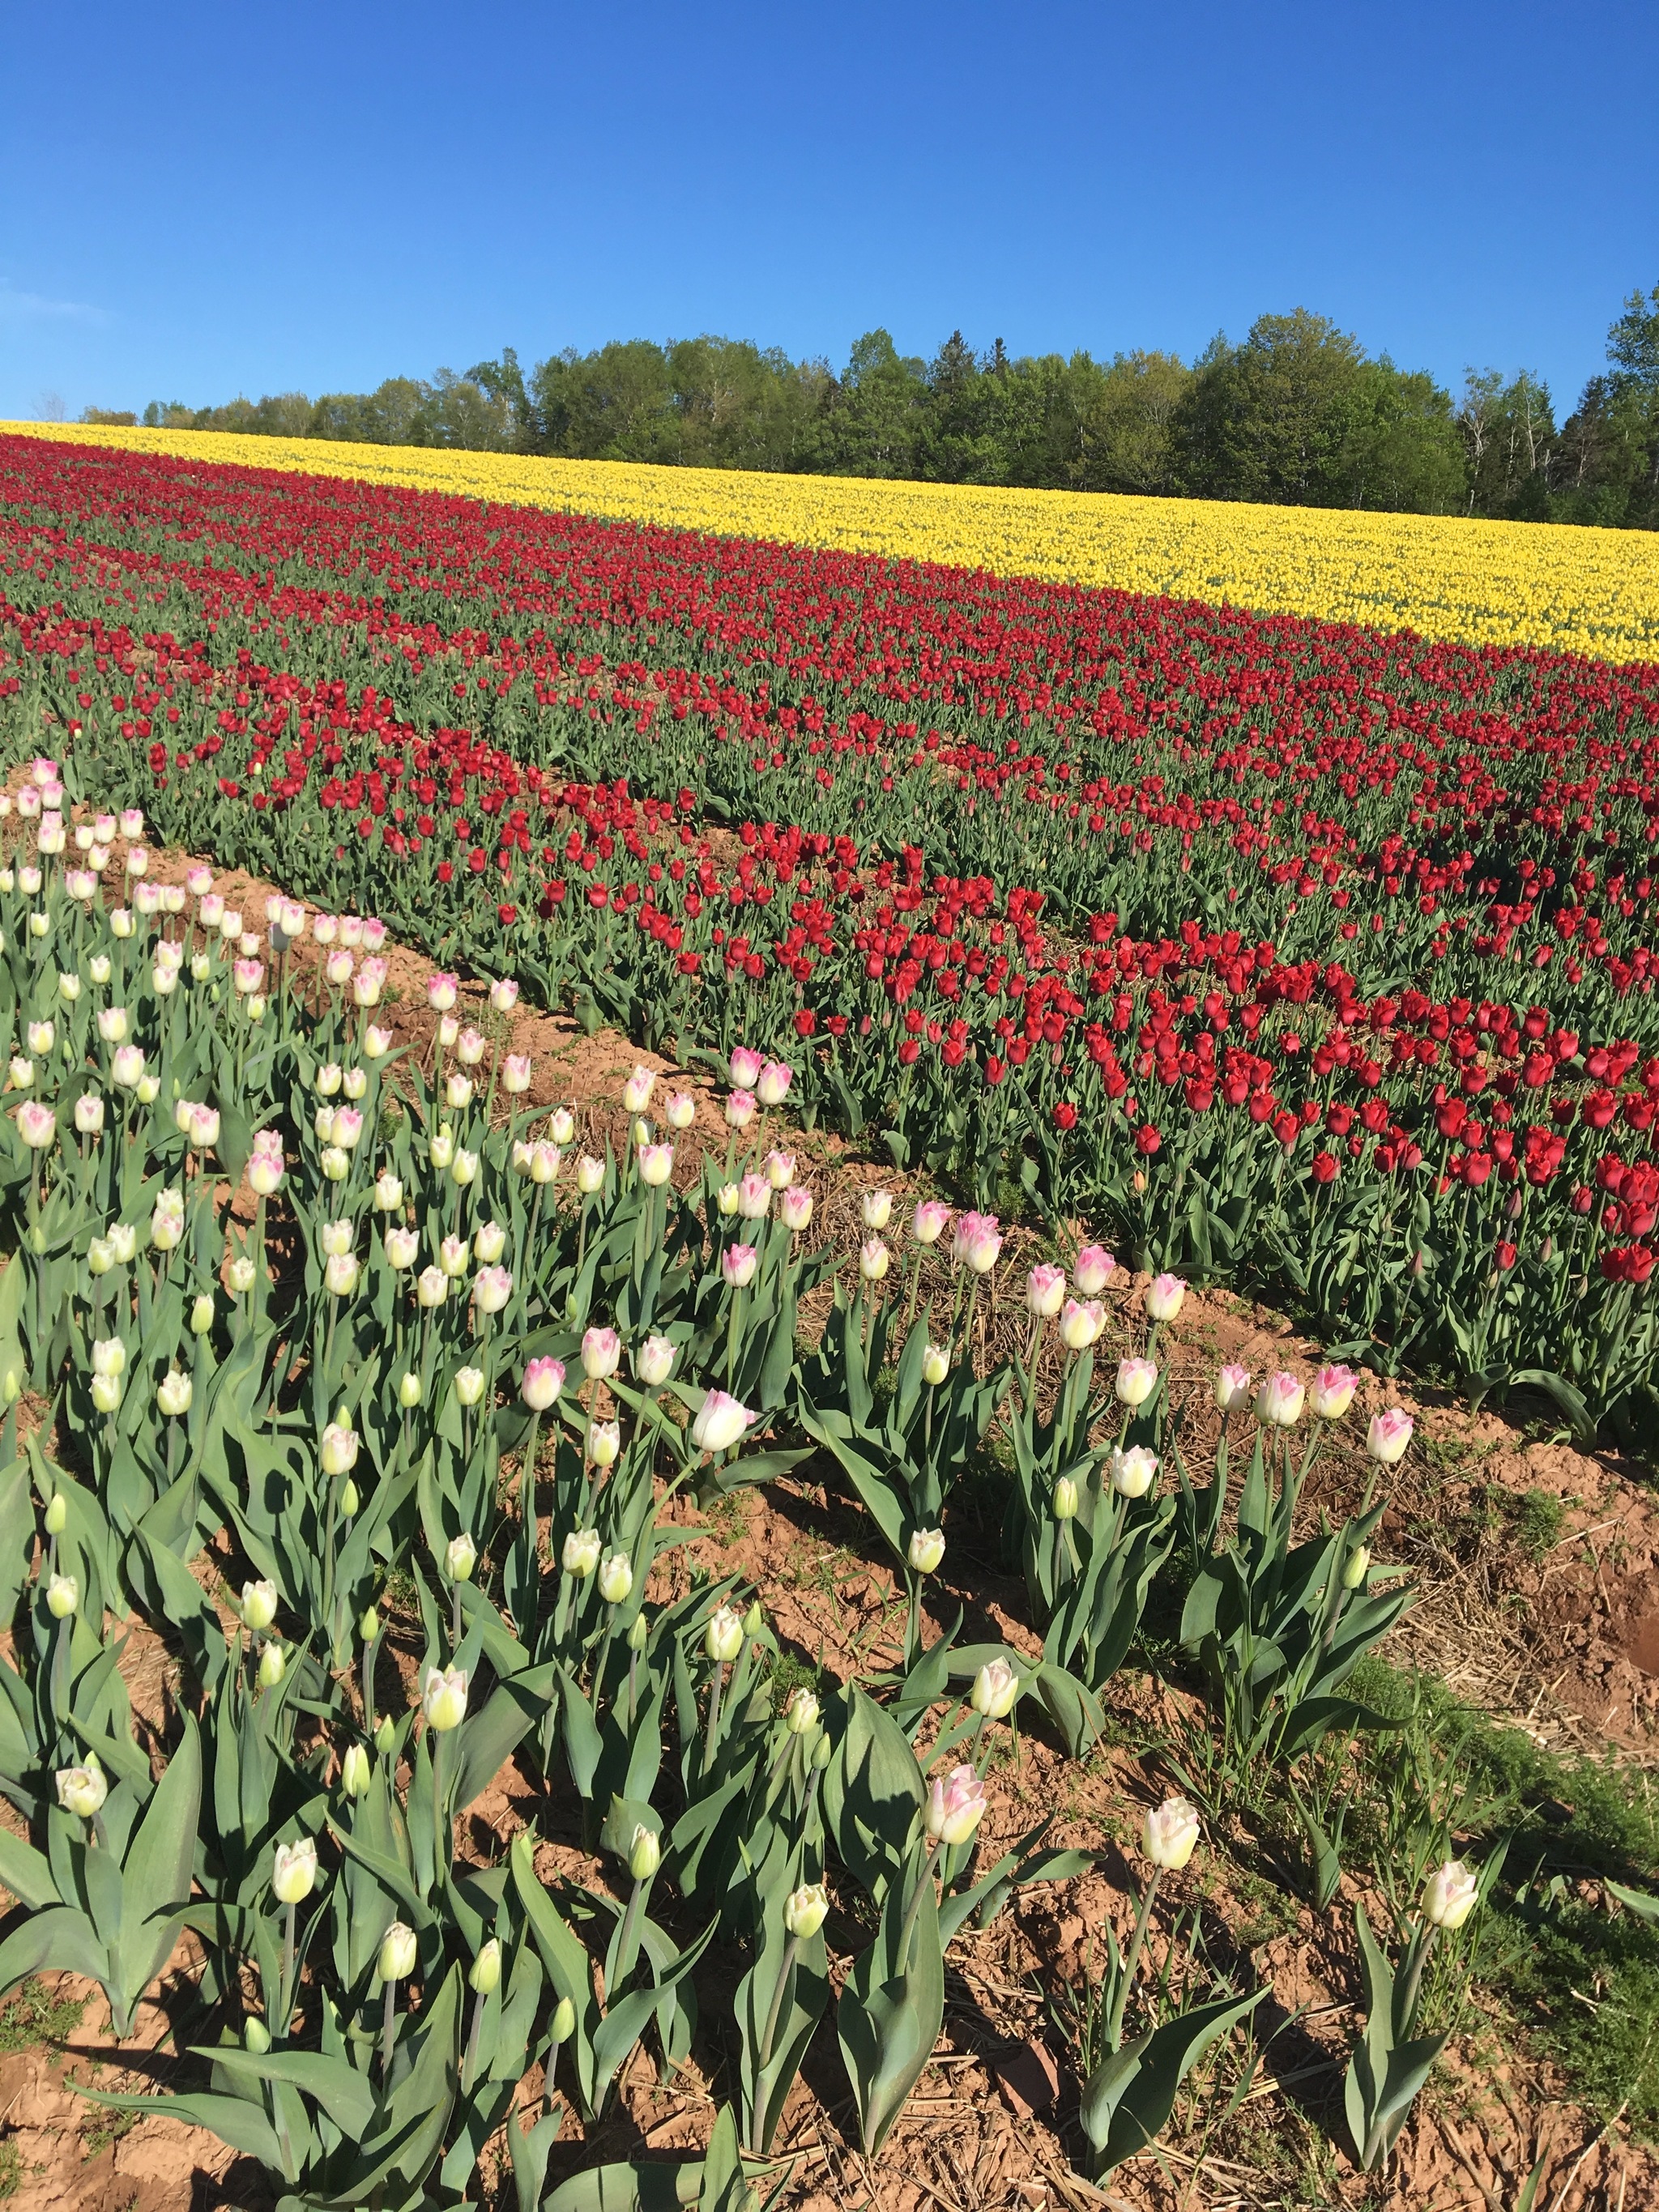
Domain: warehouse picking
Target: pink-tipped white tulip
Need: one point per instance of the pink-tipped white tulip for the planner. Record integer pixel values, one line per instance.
(1389, 1435)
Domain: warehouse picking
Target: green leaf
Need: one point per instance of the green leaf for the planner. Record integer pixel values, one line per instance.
(872, 1792)
(888, 2027)
(26, 1873)
(344, 2093)
(1128, 2098)
(236, 2121)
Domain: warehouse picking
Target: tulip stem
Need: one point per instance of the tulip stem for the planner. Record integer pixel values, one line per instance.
(527, 1511)
(714, 1716)
(627, 1943)
(1131, 1964)
(442, 1836)
(288, 1965)
(785, 1972)
(388, 2016)
(1417, 1958)
(470, 2063)
(923, 1880)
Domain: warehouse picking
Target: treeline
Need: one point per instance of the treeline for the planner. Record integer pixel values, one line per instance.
(1297, 413)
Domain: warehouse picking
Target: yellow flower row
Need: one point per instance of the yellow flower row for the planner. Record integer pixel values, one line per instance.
(1487, 583)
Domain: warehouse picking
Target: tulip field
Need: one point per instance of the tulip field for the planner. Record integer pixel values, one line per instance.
(1210, 948)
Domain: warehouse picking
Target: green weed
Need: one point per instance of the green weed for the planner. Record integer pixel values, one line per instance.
(32, 2016)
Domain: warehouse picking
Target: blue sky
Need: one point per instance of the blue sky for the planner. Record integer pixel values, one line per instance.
(209, 199)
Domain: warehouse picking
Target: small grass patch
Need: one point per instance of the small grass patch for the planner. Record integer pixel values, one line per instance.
(32, 2017)
(11, 2168)
(1575, 1979)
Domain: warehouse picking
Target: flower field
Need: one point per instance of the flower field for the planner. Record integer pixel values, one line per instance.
(1276, 952)
(1573, 590)
(1214, 947)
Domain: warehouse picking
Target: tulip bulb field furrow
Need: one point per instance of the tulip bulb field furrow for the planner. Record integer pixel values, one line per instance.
(1570, 588)
(1213, 948)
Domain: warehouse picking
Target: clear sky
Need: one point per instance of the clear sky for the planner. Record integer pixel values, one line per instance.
(204, 199)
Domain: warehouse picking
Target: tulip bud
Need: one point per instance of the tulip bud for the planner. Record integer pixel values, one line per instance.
(639, 1631)
(1164, 1297)
(615, 1578)
(57, 1514)
(63, 1597)
(1278, 1401)
(255, 2036)
(1136, 1380)
(996, 1686)
(541, 1383)
(368, 1624)
(654, 1362)
(1133, 1471)
(409, 1391)
(644, 1854)
(443, 1698)
(604, 1442)
(1451, 1896)
(398, 1950)
(935, 1365)
(1232, 1387)
(1171, 1833)
(201, 1313)
(460, 1557)
(1045, 1291)
(562, 2024)
(107, 1393)
(874, 1260)
(1357, 1567)
(1081, 1321)
(723, 1638)
(956, 1805)
(1066, 1499)
(293, 1876)
(485, 1973)
(877, 1207)
(581, 1555)
(720, 1422)
(1388, 1436)
(240, 1274)
(601, 1353)
(258, 1605)
(926, 1550)
(338, 1449)
(273, 1665)
(386, 1737)
(81, 1790)
(355, 1771)
(801, 1714)
(1331, 1392)
(805, 1910)
(469, 1385)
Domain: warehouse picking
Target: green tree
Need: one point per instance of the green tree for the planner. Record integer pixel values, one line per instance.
(1509, 441)
(877, 416)
(1609, 460)
(1126, 417)
(1270, 419)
